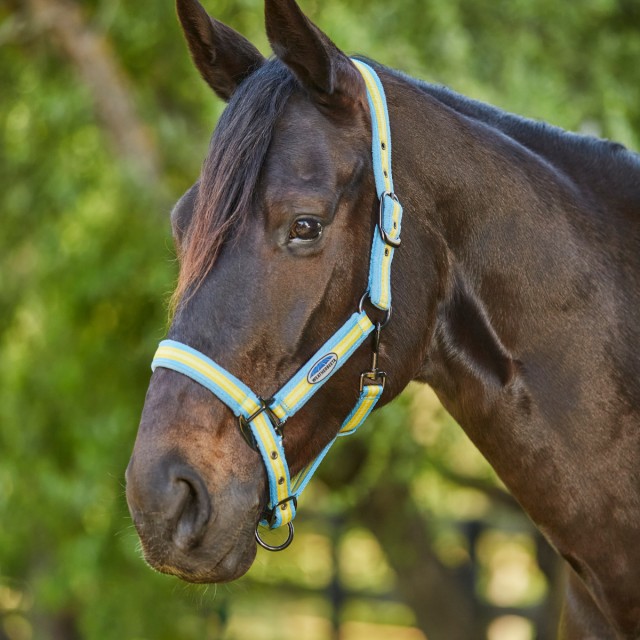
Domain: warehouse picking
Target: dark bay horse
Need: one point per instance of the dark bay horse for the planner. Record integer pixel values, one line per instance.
(516, 297)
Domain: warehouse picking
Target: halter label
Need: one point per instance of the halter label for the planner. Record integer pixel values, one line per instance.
(322, 368)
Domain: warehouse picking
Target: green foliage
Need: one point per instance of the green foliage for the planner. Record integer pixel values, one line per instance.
(86, 263)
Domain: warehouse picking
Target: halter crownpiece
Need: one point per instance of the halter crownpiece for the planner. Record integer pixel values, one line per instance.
(261, 421)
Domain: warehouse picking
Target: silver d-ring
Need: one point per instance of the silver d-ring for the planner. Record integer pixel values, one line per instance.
(280, 547)
(387, 315)
(361, 303)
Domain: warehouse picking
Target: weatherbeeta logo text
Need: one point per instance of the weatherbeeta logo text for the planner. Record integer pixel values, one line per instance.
(322, 368)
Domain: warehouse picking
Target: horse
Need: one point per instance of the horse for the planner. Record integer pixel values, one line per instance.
(516, 297)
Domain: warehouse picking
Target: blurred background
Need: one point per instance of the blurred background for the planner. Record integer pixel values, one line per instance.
(104, 123)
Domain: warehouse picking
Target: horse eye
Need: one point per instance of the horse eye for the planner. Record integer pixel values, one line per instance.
(305, 230)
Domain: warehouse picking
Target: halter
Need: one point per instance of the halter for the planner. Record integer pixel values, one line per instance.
(261, 421)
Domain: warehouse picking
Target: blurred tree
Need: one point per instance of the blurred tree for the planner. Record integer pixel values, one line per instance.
(103, 122)
(99, 70)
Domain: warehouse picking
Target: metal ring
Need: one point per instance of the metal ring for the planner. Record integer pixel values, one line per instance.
(280, 547)
(361, 303)
(387, 316)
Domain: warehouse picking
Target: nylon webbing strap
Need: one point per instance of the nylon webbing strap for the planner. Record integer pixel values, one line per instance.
(390, 209)
(324, 363)
(369, 395)
(367, 400)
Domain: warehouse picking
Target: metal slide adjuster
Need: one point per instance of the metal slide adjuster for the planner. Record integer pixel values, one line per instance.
(245, 423)
(386, 238)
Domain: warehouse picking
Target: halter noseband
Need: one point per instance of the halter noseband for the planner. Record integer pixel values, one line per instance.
(261, 421)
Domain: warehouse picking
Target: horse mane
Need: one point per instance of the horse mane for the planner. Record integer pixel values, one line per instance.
(589, 161)
(230, 173)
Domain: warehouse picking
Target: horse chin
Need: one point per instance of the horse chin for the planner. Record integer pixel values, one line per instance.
(208, 564)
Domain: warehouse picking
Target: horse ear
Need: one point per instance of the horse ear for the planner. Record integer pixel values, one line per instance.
(223, 57)
(326, 72)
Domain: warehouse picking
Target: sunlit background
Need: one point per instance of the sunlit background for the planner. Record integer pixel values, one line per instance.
(406, 533)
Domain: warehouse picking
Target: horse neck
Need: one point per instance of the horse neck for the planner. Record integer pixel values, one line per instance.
(531, 337)
(515, 225)
(522, 326)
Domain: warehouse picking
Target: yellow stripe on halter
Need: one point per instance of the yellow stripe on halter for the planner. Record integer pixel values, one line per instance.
(372, 395)
(212, 374)
(380, 115)
(385, 280)
(277, 464)
(340, 349)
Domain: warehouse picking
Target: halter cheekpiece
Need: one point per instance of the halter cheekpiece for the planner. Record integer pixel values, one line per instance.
(261, 421)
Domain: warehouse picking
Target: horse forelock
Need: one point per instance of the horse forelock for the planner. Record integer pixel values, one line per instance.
(230, 174)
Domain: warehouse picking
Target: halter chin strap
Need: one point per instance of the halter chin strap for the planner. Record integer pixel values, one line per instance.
(261, 421)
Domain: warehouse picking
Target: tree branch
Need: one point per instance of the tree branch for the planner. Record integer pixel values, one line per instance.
(98, 68)
(494, 492)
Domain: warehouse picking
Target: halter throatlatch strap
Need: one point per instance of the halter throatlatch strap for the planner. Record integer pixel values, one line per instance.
(264, 419)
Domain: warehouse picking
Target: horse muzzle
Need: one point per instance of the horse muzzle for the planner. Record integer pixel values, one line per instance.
(185, 529)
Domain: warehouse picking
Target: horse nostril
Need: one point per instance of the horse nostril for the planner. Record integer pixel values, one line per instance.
(193, 509)
(168, 501)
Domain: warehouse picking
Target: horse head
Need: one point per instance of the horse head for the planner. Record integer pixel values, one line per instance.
(274, 242)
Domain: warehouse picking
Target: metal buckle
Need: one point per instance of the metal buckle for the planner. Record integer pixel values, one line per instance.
(245, 423)
(392, 242)
(374, 376)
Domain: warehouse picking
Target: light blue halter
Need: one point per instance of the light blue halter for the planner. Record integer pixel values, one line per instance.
(261, 421)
